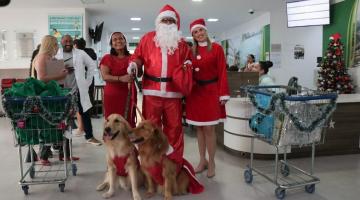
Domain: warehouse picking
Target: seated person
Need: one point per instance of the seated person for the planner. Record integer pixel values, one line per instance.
(263, 68)
(249, 64)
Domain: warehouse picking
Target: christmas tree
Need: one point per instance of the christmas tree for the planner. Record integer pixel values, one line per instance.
(333, 76)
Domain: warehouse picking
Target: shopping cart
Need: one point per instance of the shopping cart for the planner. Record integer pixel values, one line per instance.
(286, 117)
(42, 121)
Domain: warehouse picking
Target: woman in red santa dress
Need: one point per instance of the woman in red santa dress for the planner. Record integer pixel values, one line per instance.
(205, 106)
(114, 72)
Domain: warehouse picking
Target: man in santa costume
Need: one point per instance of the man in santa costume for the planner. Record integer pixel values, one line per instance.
(160, 52)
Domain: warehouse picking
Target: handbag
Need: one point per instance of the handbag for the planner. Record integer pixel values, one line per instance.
(182, 77)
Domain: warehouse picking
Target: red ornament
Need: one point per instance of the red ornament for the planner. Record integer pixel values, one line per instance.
(21, 124)
(36, 109)
(61, 126)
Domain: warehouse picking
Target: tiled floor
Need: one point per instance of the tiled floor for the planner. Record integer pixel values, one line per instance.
(340, 175)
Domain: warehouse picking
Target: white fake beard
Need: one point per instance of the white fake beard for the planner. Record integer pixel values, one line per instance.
(167, 36)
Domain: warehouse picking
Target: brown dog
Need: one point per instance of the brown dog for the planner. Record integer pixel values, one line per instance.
(170, 178)
(122, 162)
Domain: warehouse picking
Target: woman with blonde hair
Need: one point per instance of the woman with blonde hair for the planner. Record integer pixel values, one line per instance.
(41, 62)
(210, 91)
(41, 65)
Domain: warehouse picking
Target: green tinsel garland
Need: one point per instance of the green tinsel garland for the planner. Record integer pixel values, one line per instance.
(35, 101)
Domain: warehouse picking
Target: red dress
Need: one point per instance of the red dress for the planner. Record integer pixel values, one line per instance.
(203, 106)
(115, 93)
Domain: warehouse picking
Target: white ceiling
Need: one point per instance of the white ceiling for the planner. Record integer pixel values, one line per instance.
(116, 13)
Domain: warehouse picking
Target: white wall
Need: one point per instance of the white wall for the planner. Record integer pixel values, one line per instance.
(29, 20)
(253, 25)
(309, 37)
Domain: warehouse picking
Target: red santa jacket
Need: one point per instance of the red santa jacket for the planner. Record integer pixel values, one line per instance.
(159, 64)
(195, 186)
(120, 163)
(211, 65)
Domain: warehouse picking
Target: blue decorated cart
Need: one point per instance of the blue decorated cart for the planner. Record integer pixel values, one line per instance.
(286, 116)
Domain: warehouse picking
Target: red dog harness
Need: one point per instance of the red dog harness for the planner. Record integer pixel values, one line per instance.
(120, 163)
(195, 186)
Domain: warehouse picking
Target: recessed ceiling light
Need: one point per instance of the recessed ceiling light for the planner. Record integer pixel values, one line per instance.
(212, 20)
(92, 1)
(135, 37)
(135, 19)
(197, 0)
(135, 29)
(189, 38)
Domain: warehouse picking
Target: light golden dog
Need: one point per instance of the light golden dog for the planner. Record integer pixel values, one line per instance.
(168, 177)
(122, 163)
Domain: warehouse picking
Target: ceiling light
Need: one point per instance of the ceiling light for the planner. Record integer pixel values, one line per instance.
(189, 38)
(92, 1)
(197, 0)
(212, 20)
(135, 19)
(135, 29)
(135, 37)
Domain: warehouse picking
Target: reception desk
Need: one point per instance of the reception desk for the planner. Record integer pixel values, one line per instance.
(342, 139)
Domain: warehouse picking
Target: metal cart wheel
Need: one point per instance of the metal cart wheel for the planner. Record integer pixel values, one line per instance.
(285, 170)
(32, 172)
(25, 188)
(73, 169)
(248, 176)
(280, 193)
(62, 187)
(310, 188)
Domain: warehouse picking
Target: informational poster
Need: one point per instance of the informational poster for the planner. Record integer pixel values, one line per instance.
(24, 44)
(3, 50)
(299, 52)
(60, 25)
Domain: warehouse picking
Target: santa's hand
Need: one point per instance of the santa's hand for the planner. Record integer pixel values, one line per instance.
(187, 64)
(132, 69)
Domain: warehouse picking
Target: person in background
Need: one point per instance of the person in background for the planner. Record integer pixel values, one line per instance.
(79, 81)
(249, 64)
(32, 72)
(205, 106)
(41, 64)
(114, 72)
(81, 44)
(263, 68)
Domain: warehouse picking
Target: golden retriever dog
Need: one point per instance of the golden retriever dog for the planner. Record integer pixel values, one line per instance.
(122, 162)
(162, 173)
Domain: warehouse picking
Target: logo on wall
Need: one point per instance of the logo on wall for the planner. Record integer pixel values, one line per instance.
(299, 52)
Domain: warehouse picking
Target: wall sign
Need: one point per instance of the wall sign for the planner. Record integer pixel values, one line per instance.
(60, 25)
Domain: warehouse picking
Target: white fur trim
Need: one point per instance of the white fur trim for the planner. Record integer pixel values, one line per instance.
(170, 150)
(165, 14)
(158, 93)
(164, 66)
(202, 44)
(194, 177)
(203, 123)
(224, 98)
(197, 26)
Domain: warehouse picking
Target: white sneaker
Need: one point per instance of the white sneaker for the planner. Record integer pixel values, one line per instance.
(78, 133)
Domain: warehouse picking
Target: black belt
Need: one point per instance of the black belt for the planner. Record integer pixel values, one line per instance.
(205, 82)
(158, 79)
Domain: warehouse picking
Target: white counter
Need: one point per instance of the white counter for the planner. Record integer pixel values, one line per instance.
(348, 98)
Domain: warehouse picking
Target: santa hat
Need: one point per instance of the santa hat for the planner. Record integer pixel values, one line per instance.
(197, 23)
(168, 11)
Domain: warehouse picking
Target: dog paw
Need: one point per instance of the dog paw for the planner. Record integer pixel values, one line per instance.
(168, 197)
(137, 197)
(149, 194)
(107, 195)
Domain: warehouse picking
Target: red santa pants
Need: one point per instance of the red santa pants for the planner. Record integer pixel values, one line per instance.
(167, 113)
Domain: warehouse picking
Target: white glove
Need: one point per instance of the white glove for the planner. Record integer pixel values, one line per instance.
(132, 68)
